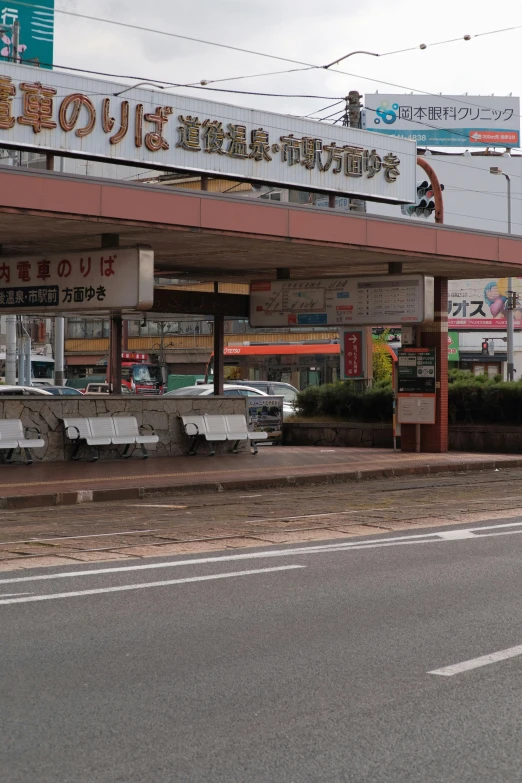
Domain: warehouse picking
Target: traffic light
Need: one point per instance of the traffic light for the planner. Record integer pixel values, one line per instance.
(513, 301)
(485, 347)
(425, 204)
(488, 347)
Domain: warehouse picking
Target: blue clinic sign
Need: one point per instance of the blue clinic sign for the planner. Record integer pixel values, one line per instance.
(446, 120)
(36, 31)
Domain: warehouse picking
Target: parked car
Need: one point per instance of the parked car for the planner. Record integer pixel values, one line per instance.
(229, 390)
(64, 391)
(103, 388)
(22, 391)
(274, 388)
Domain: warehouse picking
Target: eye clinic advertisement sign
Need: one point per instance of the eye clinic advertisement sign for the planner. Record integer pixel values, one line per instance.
(76, 115)
(446, 120)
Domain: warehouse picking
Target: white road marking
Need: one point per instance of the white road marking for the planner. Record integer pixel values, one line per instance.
(420, 538)
(152, 505)
(476, 663)
(456, 535)
(8, 595)
(123, 588)
(250, 496)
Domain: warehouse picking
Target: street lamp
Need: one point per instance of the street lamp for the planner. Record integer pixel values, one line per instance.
(345, 57)
(510, 323)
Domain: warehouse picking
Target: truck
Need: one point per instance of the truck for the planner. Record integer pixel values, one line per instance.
(139, 374)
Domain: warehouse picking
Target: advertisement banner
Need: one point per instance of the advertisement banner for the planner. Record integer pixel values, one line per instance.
(265, 414)
(446, 120)
(88, 281)
(481, 304)
(453, 347)
(86, 117)
(36, 22)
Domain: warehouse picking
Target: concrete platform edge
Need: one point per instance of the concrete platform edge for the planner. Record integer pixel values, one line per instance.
(20, 502)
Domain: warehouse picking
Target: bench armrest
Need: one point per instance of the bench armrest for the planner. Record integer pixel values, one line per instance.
(191, 424)
(67, 432)
(149, 426)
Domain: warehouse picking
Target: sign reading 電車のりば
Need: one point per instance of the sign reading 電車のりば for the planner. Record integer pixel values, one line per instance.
(112, 279)
(76, 115)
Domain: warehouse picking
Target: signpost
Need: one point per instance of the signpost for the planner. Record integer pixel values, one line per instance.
(356, 353)
(362, 301)
(80, 116)
(416, 385)
(109, 280)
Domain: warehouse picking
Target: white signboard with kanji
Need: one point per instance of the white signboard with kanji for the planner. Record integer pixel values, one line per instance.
(90, 281)
(360, 301)
(81, 116)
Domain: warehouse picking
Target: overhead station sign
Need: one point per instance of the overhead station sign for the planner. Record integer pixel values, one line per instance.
(75, 115)
(446, 120)
(92, 281)
(361, 301)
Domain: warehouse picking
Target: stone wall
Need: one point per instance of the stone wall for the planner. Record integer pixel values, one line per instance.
(483, 438)
(162, 413)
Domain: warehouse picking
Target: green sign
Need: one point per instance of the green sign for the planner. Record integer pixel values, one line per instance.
(36, 31)
(453, 347)
(416, 367)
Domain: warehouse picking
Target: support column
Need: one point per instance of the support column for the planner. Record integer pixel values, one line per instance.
(219, 350)
(59, 351)
(115, 354)
(434, 437)
(10, 350)
(49, 161)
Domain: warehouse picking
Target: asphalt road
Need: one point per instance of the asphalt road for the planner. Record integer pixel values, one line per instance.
(295, 664)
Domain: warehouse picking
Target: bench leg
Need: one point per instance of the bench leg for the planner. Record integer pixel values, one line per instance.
(145, 453)
(9, 456)
(234, 447)
(194, 443)
(211, 449)
(253, 446)
(28, 456)
(126, 454)
(76, 449)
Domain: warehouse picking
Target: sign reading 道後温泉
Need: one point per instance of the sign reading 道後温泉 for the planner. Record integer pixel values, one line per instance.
(446, 120)
(358, 301)
(76, 115)
(90, 281)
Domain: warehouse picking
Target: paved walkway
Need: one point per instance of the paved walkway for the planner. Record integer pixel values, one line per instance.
(66, 483)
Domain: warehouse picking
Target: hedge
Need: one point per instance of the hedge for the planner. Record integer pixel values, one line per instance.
(470, 401)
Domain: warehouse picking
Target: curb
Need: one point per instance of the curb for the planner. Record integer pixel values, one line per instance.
(20, 502)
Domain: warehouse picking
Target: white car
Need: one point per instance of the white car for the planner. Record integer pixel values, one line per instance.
(22, 391)
(229, 390)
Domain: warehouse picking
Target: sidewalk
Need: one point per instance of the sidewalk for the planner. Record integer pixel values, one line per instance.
(68, 483)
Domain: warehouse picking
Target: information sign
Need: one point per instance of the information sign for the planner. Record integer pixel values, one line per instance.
(265, 414)
(360, 301)
(416, 409)
(111, 279)
(416, 370)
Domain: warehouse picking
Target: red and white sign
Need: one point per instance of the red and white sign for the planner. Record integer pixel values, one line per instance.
(494, 137)
(353, 354)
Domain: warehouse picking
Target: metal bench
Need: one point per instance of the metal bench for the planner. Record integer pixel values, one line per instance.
(219, 428)
(12, 437)
(108, 431)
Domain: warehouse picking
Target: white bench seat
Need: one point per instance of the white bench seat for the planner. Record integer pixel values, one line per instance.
(12, 437)
(108, 431)
(218, 428)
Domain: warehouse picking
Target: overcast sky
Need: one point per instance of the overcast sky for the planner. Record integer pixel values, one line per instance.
(310, 31)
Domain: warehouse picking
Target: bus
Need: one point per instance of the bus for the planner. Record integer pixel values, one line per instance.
(299, 364)
(42, 369)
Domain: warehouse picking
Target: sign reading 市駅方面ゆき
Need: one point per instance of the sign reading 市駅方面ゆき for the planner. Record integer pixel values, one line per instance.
(63, 113)
(446, 120)
(90, 281)
(358, 301)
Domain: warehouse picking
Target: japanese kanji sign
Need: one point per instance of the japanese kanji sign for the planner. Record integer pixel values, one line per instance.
(481, 304)
(112, 279)
(58, 112)
(356, 353)
(446, 120)
(416, 370)
(370, 301)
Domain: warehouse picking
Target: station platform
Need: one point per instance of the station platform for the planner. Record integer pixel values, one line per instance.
(50, 484)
